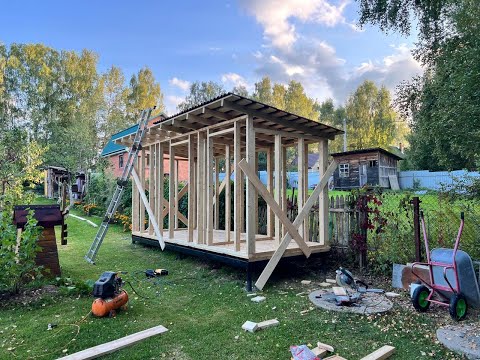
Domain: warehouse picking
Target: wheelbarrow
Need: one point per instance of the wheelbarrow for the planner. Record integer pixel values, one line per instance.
(452, 279)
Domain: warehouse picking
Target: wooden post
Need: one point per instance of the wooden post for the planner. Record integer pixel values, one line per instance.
(228, 194)
(306, 229)
(217, 195)
(238, 188)
(161, 187)
(200, 188)
(251, 216)
(209, 193)
(171, 193)
(270, 215)
(255, 196)
(301, 181)
(151, 186)
(278, 185)
(176, 193)
(284, 185)
(142, 180)
(416, 227)
(191, 185)
(135, 204)
(323, 198)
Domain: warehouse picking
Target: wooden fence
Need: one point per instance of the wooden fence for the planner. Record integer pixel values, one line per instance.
(343, 220)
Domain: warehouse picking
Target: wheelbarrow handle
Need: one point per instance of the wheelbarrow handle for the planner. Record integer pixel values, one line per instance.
(462, 215)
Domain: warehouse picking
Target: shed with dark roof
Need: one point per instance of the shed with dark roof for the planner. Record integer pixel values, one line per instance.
(358, 168)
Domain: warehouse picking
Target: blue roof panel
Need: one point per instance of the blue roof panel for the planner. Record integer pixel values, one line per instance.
(111, 147)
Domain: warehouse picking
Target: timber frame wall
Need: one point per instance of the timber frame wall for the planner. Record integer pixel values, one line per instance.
(234, 130)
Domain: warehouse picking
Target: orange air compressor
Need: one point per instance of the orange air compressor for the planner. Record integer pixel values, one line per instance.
(109, 295)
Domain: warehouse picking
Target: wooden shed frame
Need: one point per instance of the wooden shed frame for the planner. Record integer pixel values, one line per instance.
(235, 129)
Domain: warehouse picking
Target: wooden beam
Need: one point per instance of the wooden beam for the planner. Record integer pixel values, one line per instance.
(270, 215)
(135, 203)
(199, 119)
(161, 187)
(278, 184)
(323, 210)
(284, 184)
(149, 210)
(291, 124)
(221, 132)
(291, 229)
(210, 187)
(383, 353)
(151, 186)
(176, 193)
(228, 194)
(273, 262)
(301, 180)
(251, 218)
(305, 194)
(200, 187)
(142, 178)
(238, 188)
(191, 200)
(112, 346)
(171, 193)
(217, 114)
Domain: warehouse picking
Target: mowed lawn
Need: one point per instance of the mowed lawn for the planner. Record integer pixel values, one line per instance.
(203, 306)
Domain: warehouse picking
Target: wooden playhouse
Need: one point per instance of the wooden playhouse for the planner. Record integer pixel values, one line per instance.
(234, 130)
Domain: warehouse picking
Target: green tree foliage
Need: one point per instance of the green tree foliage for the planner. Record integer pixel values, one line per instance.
(443, 105)
(263, 91)
(332, 116)
(370, 117)
(240, 90)
(201, 92)
(144, 92)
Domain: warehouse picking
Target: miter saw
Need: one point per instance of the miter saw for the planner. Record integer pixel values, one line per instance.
(346, 280)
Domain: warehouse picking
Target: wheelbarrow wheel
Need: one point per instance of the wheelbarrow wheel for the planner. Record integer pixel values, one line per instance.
(458, 307)
(419, 298)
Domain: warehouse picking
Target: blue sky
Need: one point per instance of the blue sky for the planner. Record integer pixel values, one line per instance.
(231, 42)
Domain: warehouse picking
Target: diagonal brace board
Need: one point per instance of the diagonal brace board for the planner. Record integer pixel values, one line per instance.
(262, 190)
(223, 184)
(166, 210)
(273, 262)
(138, 183)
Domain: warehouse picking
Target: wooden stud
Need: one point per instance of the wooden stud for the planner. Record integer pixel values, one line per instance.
(270, 215)
(255, 196)
(251, 218)
(383, 353)
(161, 187)
(209, 193)
(171, 194)
(176, 193)
(141, 191)
(135, 204)
(191, 183)
(238, 188)
(217, 194)
(228, 194)
(278, 184)
(200, 187)
(306, 229)
(301, 180)
(142, 179)
(290, 228)
(272, 263)
(323, 198)
(151, 186)
(284, 184)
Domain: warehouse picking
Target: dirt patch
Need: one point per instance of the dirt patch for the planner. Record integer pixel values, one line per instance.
(28, 296)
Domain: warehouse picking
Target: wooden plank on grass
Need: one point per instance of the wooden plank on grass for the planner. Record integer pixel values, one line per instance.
(383, 353)
(112, 346)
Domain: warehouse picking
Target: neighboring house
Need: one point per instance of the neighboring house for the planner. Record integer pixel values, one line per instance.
(357, 168)
(117, 154)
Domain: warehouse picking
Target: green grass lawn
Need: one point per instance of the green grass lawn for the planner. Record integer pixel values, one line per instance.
(204, 307)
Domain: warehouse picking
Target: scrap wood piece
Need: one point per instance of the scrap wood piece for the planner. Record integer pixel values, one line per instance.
(250, 326)
(331, 281)
(115, 345)
(273, 262)
(383, 353)
(319, 352)
(268, 323)
(325, 346)
(339, 291)
(274, 206)
(335, 357)
(306, 282)
(258, 299)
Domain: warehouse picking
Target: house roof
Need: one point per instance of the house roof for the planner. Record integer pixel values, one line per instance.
(368, 150)
(111, 148)
(312, 160)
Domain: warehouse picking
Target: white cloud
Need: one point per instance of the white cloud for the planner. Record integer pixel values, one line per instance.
(234, 79)
(275, 16)
(181, 84)
(171, 103)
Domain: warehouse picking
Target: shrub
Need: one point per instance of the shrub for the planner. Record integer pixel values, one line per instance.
(18, 267)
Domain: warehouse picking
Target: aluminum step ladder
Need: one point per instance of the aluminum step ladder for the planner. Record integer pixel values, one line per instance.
(121, 183)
